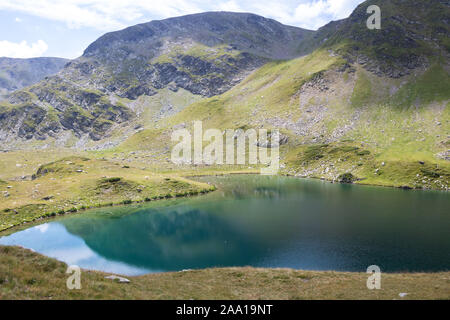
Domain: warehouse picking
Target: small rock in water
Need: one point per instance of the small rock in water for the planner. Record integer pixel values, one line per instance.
(120, 279)
(402, 294)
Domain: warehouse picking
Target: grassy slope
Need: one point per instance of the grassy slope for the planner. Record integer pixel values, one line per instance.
(28, 275)
(77, 183)
(265, 93)
(401, 122)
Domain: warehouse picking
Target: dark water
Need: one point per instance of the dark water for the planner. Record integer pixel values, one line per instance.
(258, 221)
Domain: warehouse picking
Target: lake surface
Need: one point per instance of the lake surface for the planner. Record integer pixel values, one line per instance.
(257, 221)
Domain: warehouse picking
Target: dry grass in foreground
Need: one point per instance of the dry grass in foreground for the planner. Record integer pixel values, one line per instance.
(28, 275)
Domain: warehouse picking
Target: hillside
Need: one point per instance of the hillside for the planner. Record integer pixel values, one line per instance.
(16, 74)
(380, 117)
(184, 58)
(412, 33)
(371, 104)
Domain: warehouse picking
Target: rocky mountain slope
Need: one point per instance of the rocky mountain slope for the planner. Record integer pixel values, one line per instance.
(412, 32)
(16, 74)
(202, 55)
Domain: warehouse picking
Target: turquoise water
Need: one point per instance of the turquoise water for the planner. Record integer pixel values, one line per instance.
(258, 221)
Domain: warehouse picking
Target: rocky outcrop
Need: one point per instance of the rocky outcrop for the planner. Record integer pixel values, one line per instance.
(54, 106)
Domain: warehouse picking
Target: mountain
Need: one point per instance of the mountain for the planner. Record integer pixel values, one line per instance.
(245, 32)
(367, 105)
(412, 33)
(16, 74)
(201, 55)
(353, 104)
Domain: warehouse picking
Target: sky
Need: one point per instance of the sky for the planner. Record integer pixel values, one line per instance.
(64, 28)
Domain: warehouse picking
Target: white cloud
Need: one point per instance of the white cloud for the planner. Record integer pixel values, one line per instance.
(317, 13)
(311, 14)
(229, 6)
(114, 14)
(99, 14)
(74, 13)
(43, 228)
(22, 49)
(18, 20)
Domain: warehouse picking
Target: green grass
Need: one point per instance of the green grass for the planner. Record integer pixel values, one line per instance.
(217, 54)
(432, 86)
(77, 183)
(337, 161)
(362, 91)
(28, 275)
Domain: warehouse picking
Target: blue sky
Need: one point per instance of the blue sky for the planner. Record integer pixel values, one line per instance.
(64, 28)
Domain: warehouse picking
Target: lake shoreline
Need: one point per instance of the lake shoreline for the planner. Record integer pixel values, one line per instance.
(214, 187)
(18, 265)
(41, 219)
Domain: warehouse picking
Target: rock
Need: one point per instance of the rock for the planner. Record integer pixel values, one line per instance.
(347, 178)
(402, 294)
(119, 279)
(283, 139)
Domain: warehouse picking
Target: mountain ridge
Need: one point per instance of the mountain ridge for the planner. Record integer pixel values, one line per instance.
(94, 94)
(411, 32)
(204, 28)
